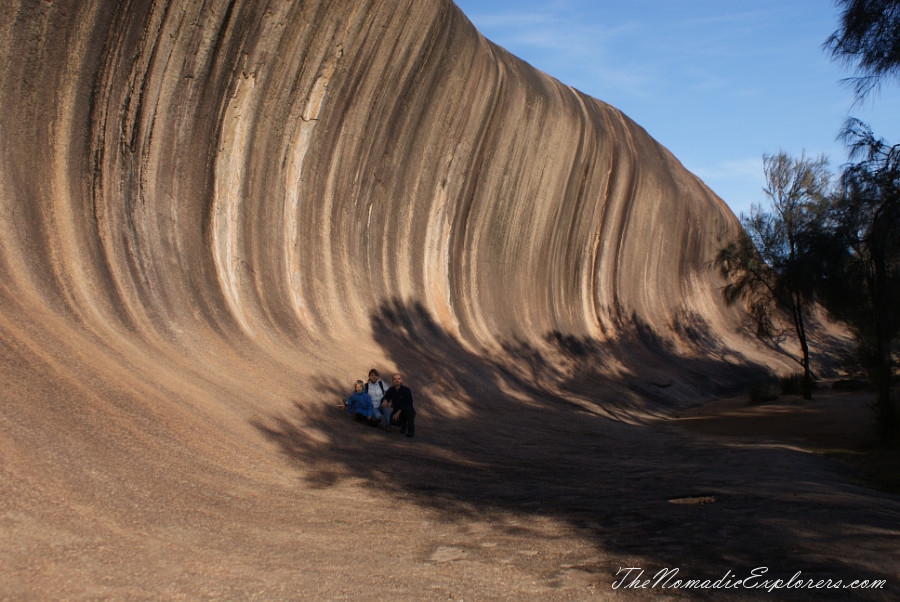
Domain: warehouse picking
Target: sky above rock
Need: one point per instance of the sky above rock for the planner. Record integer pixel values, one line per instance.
(718, 83)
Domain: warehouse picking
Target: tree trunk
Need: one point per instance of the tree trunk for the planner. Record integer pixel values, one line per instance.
(800, 327)
(887, 413)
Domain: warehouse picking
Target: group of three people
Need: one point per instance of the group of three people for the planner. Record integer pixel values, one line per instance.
(377, 405)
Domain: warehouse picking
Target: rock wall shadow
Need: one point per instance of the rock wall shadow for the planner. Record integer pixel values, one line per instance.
(830, 352)
(499, 435)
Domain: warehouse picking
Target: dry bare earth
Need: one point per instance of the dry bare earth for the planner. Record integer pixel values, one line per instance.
(519, 495)
(214, 216)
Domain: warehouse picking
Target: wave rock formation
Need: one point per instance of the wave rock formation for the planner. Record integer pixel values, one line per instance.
(214, 216)
(269, 174)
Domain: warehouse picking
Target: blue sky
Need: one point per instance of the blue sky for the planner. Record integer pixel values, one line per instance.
(718, 82)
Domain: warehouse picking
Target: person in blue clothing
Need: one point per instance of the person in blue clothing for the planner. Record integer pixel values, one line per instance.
(359, 405)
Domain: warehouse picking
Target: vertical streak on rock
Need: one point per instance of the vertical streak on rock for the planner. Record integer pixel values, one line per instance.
(228, 234)
(436, 262)
(275, 172)
(294, 175)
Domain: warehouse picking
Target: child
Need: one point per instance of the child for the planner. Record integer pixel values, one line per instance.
(359, 405)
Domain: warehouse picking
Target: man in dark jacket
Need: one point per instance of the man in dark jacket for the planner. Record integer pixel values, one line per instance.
(400, 398)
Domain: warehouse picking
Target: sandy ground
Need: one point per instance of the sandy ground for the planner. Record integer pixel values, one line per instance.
(550, 503)
(831, 420)
(591, 509)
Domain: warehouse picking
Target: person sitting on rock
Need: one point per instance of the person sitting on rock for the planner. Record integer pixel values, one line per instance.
(400, 398)
(359, 405)
(376, 388)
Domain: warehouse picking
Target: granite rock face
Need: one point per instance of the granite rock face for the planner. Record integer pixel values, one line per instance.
(215, 214)
(279, 170)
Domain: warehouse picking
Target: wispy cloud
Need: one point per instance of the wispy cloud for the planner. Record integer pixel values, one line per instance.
(579, 52)
(748, 167)
(514, 19)
(717, 83)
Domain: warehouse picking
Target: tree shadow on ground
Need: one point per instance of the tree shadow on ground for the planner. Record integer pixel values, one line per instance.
(830, 353)
(504, 434)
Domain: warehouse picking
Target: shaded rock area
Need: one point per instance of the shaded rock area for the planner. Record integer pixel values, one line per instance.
(216, 215)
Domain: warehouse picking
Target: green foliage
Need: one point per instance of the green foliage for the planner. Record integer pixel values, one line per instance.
(858, 248)
(771, 265)
(763, 391)
(869, 39)
(751, 280)
(792, 384)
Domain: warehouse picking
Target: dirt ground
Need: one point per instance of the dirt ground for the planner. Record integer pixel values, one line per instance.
(571, 510)
(544, 507)
(831, 420)
(548, 503)
(838, 424)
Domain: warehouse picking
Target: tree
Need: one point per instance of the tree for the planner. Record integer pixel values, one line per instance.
(770, 266)
(869, 38)
(861, 251)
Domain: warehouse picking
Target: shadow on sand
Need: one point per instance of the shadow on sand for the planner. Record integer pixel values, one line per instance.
(511, 435)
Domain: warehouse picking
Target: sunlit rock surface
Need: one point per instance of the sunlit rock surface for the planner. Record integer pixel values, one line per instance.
(182, 175)
(216, 215)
